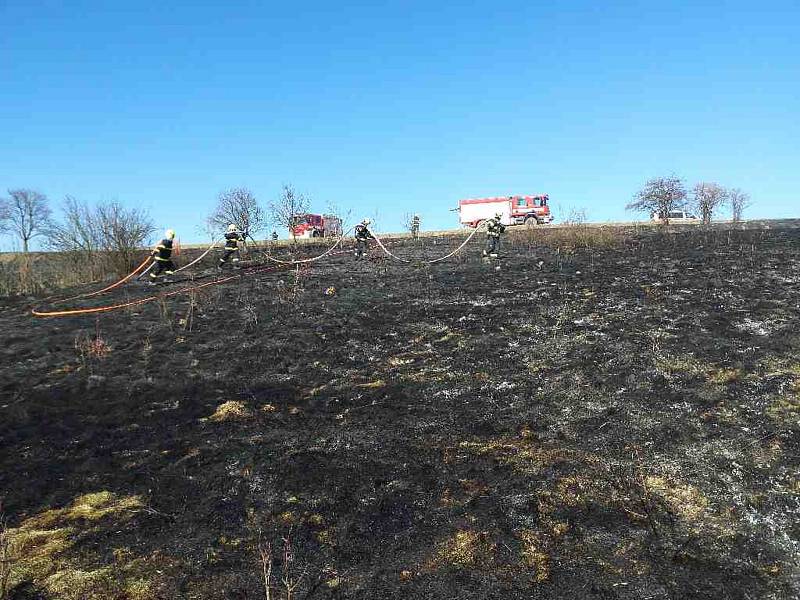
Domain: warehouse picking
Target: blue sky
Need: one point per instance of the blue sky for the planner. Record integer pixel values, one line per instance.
(388, 108)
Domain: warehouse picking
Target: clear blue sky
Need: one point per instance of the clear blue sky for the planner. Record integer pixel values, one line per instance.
(388, 108)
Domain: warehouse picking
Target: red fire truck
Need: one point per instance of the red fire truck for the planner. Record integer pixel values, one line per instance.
(308, 226)
(515, 210)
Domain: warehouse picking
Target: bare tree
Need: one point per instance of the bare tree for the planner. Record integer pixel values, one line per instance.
(5, 213)
(26, 214)
(238, 206)
(287, 206)
(337, 211)
(124, 231)
(738, 201)
(408, 221)
(660, 196)
(707, 197)
(78, 232)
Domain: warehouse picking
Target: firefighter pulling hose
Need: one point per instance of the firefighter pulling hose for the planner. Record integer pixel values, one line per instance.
(231, 252)
(162, 255)
(363, 235)
(494, 229)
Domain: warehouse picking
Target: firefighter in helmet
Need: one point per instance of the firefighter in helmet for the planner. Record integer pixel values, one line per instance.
(415, 227)
(232, 238)
(494, 228)
(162, 257)
(362, 234)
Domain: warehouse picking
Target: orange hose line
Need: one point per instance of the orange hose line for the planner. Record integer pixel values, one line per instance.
(110, 287)
(139, 301)
(108, 308)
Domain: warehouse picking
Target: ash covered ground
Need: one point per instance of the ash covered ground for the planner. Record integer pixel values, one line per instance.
(612, 419)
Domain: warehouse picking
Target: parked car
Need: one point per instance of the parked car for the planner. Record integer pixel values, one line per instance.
(677, 217)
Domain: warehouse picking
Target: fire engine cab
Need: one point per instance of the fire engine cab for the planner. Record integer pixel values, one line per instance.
(308, 226)
(515, 210)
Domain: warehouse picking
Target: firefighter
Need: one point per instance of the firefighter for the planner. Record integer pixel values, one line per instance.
(232, 238)
(162, 257)
(274, 236)
(494, 228)
(415, 227)
(362, 234)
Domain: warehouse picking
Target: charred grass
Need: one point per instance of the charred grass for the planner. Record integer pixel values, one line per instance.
(609, 415)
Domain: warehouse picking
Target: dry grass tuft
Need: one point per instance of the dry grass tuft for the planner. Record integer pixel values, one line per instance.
(686, 501)
(232, 410)
(534, 556)
(467, 549)
(785, 410)
(378, 383)
(42, 544)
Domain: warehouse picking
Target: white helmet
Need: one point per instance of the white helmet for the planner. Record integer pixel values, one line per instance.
(231, 228)
(498, 216)
(366, 222)
(170, 233)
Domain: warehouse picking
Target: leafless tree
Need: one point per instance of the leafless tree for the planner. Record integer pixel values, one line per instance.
(238, 206)
(345, 215)
(26, 214)
(77, 235)
(124, 231)
(660, 196)
(408, 221)
(287, 206)
(707, 197)
(78, 232)
(4, 216)
(738, 201)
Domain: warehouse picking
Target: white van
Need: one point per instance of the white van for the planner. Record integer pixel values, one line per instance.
(677, 217)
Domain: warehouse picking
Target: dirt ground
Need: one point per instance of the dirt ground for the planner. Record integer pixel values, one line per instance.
(613, 418)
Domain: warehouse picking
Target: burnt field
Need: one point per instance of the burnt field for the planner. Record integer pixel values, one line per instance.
(610, 415)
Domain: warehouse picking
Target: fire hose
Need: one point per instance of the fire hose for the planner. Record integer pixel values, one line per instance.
(309, 260)
(109, 287)
(281, 263)
(145, 300)
(195, 261)
(435, 260)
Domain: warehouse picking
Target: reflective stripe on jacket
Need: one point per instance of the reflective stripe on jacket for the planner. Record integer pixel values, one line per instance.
(232, 240)
(362, 233)
(494, 228)
(163, 252)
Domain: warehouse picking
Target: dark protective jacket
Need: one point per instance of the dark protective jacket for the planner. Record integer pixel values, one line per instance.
(163, 252)
(415, 223)
(494, 227)
(232, 240)
(362, 233)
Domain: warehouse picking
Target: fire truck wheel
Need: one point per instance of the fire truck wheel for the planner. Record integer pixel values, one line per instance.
(531, 222)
